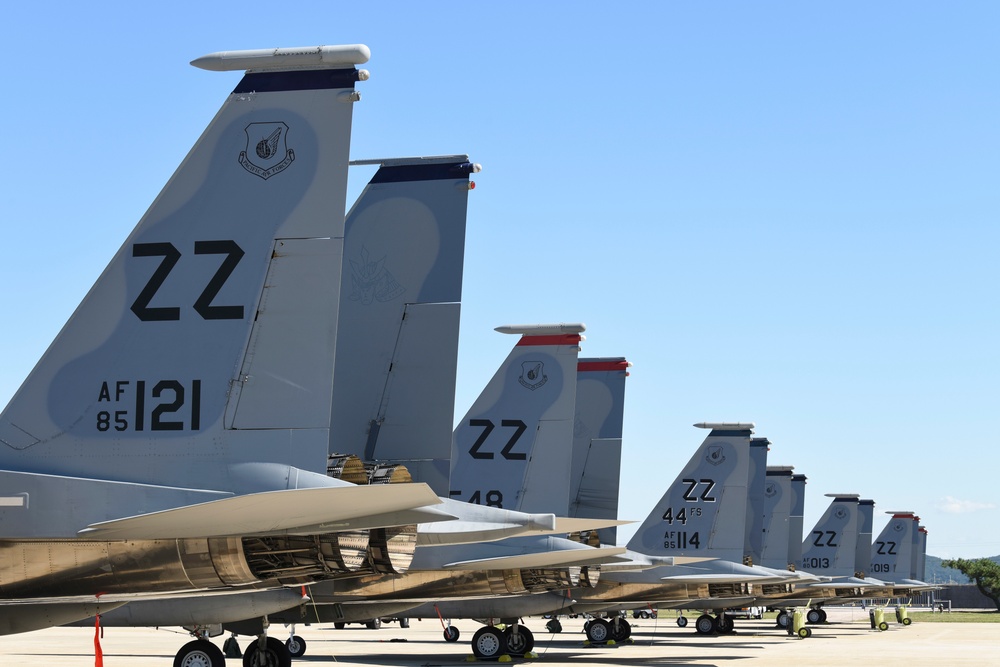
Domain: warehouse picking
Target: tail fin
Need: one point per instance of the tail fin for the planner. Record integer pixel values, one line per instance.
(198, 347)
(863, 549)
(397, 337)
(921, 570)
(524, 414)
(753, 548)
(830, 548)
(704, 511)
(597, 441)
(796, 520)
(892, 551)
(778, 499)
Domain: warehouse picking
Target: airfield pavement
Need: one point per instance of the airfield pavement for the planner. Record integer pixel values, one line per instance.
(842, 641)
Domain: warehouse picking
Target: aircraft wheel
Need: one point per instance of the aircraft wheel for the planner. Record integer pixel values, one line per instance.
(822, 615)
(487, 643)
(883, 626)
(374, 624)
(599, 631)
(704, 625)
(554, 626)
(199, 653)
(907, 620)
(783, 620)
(340, 625)
(813, 616)
(296, 646)
(724, 624)
(518, 644)
(404, 622)
(621, 630)
(682, 622)
(451, 634)
(274, 655)
(805, 632)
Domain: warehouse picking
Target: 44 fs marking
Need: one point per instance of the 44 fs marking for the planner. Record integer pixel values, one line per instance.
(136, 405)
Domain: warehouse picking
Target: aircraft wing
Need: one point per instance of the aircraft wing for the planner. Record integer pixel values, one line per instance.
(330, 509)
(575, 525)
(546, 559)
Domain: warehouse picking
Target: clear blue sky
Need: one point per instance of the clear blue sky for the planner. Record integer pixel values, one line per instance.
(780, 212)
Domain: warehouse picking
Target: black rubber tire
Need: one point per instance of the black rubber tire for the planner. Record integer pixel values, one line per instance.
(488, 643)
(907, 620)
(883, 626)
(822, 615)
(621, 630)
(704, 625)
(724, 625)
(199, 653)
(374, 624)
(554, 626)
(523, 644)
(340, 625)
(599, 631)
(804, 632)
(275, 655)
(784, 620)
(813, 616)
(451, 634)
(404, 622)
(296, 646)
(682, 622)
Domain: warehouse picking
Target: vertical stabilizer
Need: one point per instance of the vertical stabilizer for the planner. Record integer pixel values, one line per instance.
(921, 570)
(397, 342)
(829, 549)
(524, 414)
(704, 511)
(753, 548)
(777, 513)
(863, 549)
(796, 520)
(891, 553)
(597, 441)
(201, 346)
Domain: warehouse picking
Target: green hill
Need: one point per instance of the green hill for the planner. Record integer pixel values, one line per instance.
(935, 574)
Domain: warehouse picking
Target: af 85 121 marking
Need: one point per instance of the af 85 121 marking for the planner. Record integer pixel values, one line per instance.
(132, 406)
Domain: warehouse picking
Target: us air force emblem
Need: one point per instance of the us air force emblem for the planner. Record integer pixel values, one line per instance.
(371, 282)
(715, 456)
(532, 374)
(899, 527)
(770, 490)
(267, 153)
(840, 513)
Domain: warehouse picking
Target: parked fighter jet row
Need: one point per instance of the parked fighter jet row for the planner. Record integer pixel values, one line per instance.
(249, 421)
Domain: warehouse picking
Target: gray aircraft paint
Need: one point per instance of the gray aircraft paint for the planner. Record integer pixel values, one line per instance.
(397, 343)
(829, 549)
(711, 490)
(753, 547)
(863, 549)
(524, 414)
(778, 498)
(892, 550)
(597, 440)
(183, 366)
(797, 519)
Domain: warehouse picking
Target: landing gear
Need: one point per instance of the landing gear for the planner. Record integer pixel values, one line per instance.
(682, 622)
(199, 653)
(518, 640)
(340, 625)
(704, 625)
(814, 616)
(451, 634)
(620, 629)
(783, 620)
(724, 624)
(266, 652)
(404, 622)
(374, 624)
(296, 646)
(554, 626)
(598, 631)
(487, 643)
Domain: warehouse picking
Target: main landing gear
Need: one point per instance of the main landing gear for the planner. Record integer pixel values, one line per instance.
(490, 642)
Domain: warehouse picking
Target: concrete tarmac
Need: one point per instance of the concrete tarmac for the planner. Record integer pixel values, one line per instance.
(842, 641)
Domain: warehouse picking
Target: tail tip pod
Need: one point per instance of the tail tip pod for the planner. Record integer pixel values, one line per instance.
(543, 329)
(727, 426)
(312, 57)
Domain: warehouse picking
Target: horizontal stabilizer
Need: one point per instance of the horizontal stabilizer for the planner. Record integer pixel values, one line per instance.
(575, 525)
(329, 508)
(546, 559)
(721, 579)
